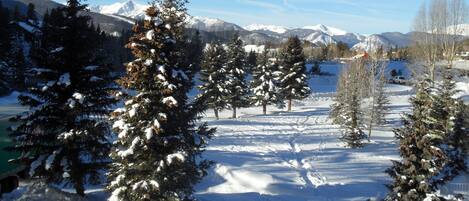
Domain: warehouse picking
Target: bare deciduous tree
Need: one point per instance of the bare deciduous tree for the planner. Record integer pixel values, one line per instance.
(437, 32)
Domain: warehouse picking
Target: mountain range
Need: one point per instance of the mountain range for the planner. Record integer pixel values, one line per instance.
(258, 33)
(119, 17)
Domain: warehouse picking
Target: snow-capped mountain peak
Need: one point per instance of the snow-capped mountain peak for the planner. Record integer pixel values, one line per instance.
(128, 9)
(211, 24)
(262, 27)
(327, 29)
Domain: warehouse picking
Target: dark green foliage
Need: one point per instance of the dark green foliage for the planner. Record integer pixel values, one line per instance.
(31, 13)
(293, 80)
(251, 61)
(64, 135)
(194, 52)
(213, 76)
(5, 38)
(316, 69)
(157, 153)
(235, 68)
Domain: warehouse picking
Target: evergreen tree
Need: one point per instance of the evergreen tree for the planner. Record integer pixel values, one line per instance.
(293, 80)
(353, 134)
(195, 50)
(213, 76)
(5, 40)
(251, 61)
(351, 111)
(419, 146)
(236, 84)
(18, 67)
(445, 121)
(64, 135)
(381, 101)
(378, 106)
(156, 155)
(346, 111)
(31, 14)
(5, 31)
(316, 69)
(265, 82)
(17, 16)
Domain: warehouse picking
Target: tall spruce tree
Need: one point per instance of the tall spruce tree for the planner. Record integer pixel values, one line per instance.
(63, 138)
(213, 76)
(419, 147)
(293, 80)
(156, 154)
(346, 110)
(195, 50)
(31, 14)
(235, 67)
(264, 86)
(251, 61)
(5, 44)
(445, 112)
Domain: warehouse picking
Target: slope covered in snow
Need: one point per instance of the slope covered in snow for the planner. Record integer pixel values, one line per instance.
(372, 43)
(272, 28)
(331, 31)
(211, 24)
(462, 29)
(128, 9)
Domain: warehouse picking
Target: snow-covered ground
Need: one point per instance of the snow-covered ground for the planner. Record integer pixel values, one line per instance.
(297, 156)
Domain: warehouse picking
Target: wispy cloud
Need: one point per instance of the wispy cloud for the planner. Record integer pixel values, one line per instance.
(266, 5)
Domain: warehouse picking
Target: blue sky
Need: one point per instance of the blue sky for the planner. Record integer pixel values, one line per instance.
(359, 16)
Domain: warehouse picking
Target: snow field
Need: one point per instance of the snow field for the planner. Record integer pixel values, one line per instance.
(297, 156)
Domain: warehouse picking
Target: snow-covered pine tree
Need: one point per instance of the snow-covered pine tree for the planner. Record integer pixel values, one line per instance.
(351, 111)
(63, 138)
(293, 80)
(194, 52)
(265, 82)
(213, 78)
(353, 134)
(237, 86)
(346, 111)
(156, 154)
(445, 113)
(422, 158)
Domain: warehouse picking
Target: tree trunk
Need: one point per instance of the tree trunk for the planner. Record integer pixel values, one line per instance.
(264, 108)
(289, 104)
(216, 114)
(234, 112)
(370, 126)
(80, 190)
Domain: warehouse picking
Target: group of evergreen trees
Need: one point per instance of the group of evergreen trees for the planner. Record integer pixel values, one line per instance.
(65, 137)
(274, 79)
(13, 47)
